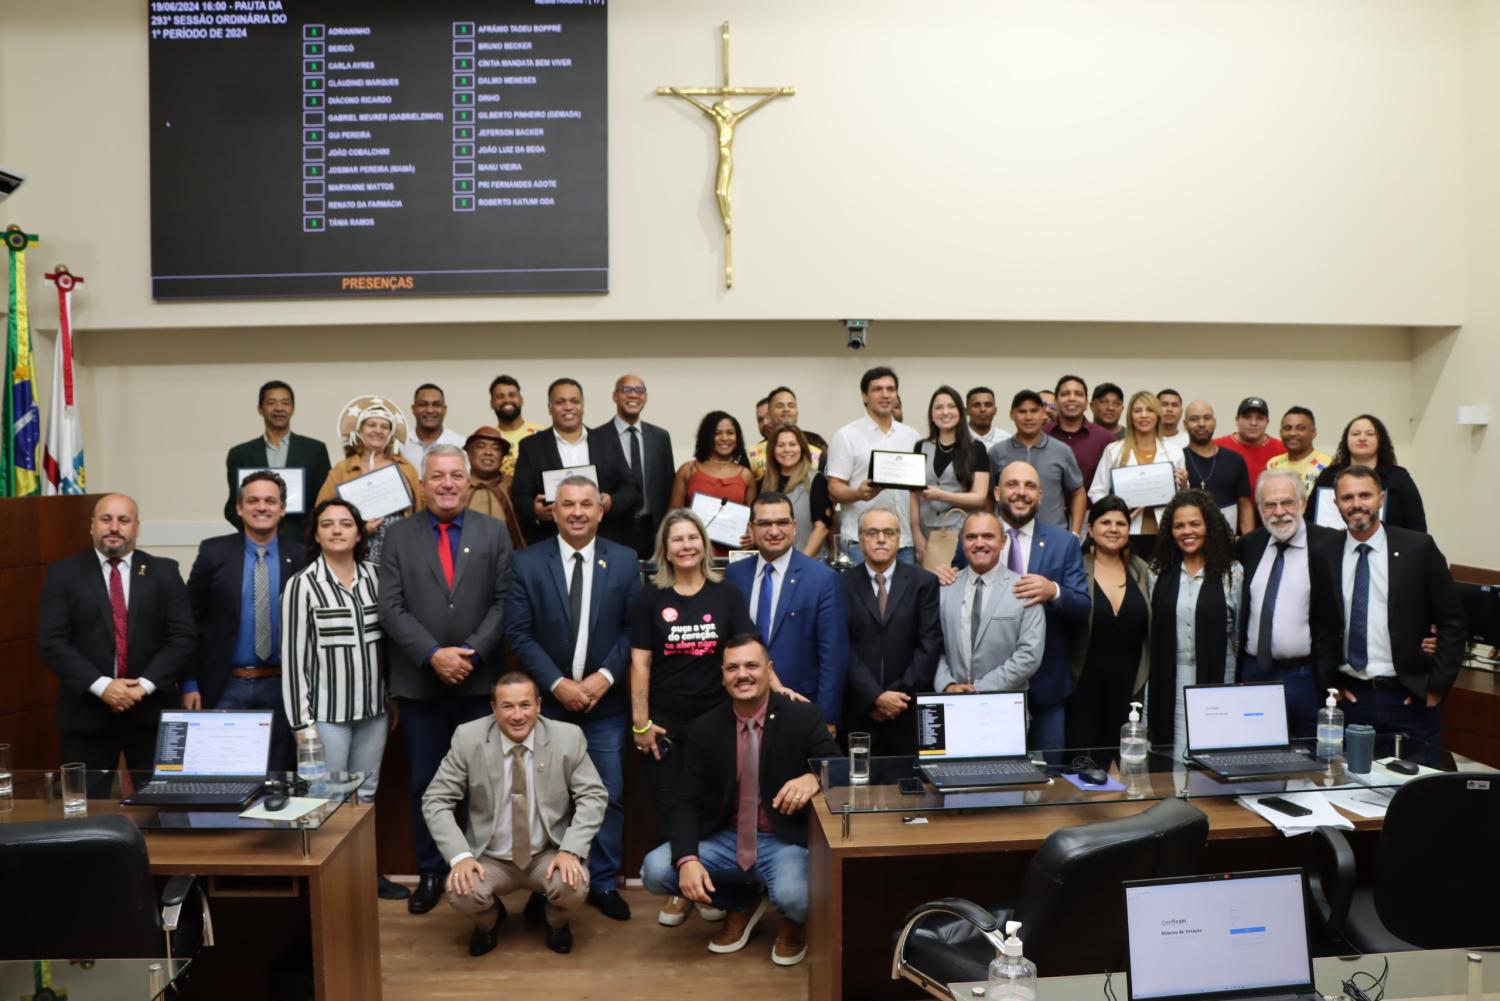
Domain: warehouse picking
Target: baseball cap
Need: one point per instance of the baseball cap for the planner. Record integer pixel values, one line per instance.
(1251, 403)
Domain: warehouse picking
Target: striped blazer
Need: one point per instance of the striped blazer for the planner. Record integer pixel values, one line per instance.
(331, 669)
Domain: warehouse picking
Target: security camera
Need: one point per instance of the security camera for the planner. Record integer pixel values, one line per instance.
(10, 180)
(859, 333)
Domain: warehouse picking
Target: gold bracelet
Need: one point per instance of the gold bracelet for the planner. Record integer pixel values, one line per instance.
(642, 729)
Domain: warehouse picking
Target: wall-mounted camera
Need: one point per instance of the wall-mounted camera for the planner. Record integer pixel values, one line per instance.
(10, 180)
(859, 333)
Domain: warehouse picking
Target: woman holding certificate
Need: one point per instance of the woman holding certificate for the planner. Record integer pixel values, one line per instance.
(791, 470)
(1195, 602)
(958, 480)
(1150, 469)
(719, 469)
(1367, 443)
(374, 476)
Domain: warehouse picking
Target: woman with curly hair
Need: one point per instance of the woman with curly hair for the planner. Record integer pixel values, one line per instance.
(719, 467)
(1195, 603)
(1366, 442)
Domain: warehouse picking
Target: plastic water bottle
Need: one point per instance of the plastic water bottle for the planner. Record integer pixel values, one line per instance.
(312, 768)
(1133, 743)
(1012, 975)
(1330, 727)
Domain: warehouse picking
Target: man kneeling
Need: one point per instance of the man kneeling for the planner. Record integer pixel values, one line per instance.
(740, 819)
(535, 804)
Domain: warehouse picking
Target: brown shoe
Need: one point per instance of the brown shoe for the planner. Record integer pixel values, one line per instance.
(674, 912)
(791, 944)
(735, 931)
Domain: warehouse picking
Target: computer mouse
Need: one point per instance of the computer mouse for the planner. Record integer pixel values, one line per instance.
(274, 801)
(1094, 776)
(1403, 767)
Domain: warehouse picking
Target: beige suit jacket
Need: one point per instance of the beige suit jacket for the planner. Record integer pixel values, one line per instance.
(570, 795)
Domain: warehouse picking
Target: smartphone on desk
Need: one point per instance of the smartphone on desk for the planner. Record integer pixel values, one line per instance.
(1285, 806)
(911, 786)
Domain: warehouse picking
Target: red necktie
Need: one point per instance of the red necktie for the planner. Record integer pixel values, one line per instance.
(748, 816)
(445, 553)
(117, 608)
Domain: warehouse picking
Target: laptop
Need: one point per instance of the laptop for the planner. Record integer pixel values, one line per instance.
(974, 740)
(210, 757)
(1239, 731)
(1236, 936)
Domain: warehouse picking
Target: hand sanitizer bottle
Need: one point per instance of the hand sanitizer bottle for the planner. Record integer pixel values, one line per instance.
(1012, 975)
(1330, 727)
(1133, 743)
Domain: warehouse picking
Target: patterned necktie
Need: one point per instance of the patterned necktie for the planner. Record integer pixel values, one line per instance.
(1015, 560)
(1263, 648)
(261, 586)
(520, 810)
(1359, 611)
(575, 607)
(117, 612)
(763, 606)
(748, 815)
(445, 553)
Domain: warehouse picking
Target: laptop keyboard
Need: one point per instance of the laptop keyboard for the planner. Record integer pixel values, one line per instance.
(176, 788)
(1254, 758)
(957, 771)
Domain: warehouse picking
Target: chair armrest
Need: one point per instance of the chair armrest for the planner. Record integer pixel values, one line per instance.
(1330, 876)
(959, 908)
(177, 889)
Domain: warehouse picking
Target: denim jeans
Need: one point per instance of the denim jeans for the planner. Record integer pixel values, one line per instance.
(780, 867)
(263, 693)
(356, 747)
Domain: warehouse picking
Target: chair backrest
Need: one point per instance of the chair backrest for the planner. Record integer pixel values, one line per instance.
(1071, 906)
(77, 889)
(1436, 881)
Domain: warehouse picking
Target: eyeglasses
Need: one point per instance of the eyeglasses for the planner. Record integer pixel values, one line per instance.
(777, 523)
(631, 390)
(881, 533)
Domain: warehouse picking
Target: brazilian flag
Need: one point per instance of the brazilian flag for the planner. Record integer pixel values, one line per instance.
(21, 418)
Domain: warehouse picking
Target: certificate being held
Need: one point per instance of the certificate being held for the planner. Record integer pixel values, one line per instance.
(293, 476)
(725, 521)
(377, 494)
(899, 470)
(1151, 485)
(552, 477)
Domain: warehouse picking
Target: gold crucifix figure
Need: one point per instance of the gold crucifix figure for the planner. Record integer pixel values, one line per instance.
(726, 120)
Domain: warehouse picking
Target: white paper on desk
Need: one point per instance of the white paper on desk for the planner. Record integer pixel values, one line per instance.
(1362, 802)
(1150, 485)
(552, 477)
(296, 806)
(1323, 814)
(294, 477)
(377, 494)
(726, 521)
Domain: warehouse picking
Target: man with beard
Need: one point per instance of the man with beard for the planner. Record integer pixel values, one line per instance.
(1107, 404)
(1391, 587)
(781, 410)
(489, 488)
(1217, 471)
(1282, 620)
(506, 401)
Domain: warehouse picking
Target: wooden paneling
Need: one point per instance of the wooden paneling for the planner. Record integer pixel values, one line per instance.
(1471, 717)
(1474, 575)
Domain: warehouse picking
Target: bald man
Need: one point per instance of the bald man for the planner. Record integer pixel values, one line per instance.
(648, 453)
(117, 629)
(1219, 470)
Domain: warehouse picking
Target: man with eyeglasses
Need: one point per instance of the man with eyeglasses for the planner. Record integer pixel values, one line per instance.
(648, 454)
(797, 606)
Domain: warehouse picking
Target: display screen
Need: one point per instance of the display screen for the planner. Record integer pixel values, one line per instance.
(314, 147)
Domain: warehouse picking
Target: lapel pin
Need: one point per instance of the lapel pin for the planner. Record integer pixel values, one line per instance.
(541, 765)
(142, 571)
(466, 549)
(772, 716)
(791, 580)
(603, 564)
(1396, 553)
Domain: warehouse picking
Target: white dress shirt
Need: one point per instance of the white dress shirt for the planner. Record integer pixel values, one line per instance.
(580, 648)
(576, 453)
(1291, 633)
(414, 450)
(889, 574)
(500, 842)
(994, 436)
(779, 578)
(623, 429)
(1382, 663)
(127, 562)
(849, 460)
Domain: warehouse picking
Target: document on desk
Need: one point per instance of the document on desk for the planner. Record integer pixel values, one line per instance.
(1368, 803)
(377, 494)
(296, 808)
(1151, 485)
(1323, 814)
(552, 477)
(294, 477)
(725, 521)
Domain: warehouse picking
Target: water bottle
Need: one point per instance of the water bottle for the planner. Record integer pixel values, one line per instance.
(1133, 743)
(1012, 975)
(1330, 727)
(311, 766)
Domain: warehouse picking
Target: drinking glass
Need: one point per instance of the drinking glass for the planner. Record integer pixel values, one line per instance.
(75, 789)
(859, 759)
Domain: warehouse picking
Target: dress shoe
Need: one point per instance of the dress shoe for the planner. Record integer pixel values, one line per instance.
(791, 944)
(389, 890)
(560, 939)
(482, 941)
(610, 904)
(536, 910)
(735, 931)
(674, 912)
(425, 897)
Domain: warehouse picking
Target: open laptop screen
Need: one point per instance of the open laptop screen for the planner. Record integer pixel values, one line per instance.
(213, 743)
(971, 725)
(1233, 934)
(1220, 717)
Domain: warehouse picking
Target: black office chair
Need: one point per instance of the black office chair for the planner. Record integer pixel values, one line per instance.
(1071, 906)
(82, 889)
(1436, 881)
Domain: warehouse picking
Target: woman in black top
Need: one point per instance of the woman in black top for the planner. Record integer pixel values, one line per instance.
(1367, 443)
(1109, 650)
(682, 618)
(958, 476)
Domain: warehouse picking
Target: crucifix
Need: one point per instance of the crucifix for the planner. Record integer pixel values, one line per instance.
(726, 120)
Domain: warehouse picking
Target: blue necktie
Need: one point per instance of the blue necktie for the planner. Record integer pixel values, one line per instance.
(1268, 610)
(1359, 611)
(763, 606)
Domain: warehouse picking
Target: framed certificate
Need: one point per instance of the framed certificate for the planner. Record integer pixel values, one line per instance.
(552, 477)
(1150, 485)
(898, 470)
(725, 521)
(296, 484)
(379, 493)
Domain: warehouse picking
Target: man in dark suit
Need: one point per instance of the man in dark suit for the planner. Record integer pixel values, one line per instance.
(116, 628)
(797, 604)
(1281, 613)
(647, 451)
(895, 637)
(277, 448)
(568, 443)
(568, 622)
(740, 820)
(1390, 588)
(443, 580)
(235, 588)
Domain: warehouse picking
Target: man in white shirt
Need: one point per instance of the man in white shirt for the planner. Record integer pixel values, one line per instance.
(1172, 432)
(849, 462)
(429, 407)
(979, 404)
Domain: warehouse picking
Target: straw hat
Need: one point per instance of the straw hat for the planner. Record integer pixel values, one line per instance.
(362, 408)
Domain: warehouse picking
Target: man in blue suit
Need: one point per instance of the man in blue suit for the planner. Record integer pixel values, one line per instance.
(568, 619)
(797, 604)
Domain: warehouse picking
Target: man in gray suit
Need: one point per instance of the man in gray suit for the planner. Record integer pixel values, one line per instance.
(525, 774)
(444, 576)
(991, 641)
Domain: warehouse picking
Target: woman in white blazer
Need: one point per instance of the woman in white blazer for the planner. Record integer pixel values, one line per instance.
(1141, 445)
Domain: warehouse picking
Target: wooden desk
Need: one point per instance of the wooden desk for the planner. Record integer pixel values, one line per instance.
(860, 891)
(1471, 716)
